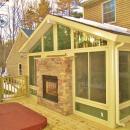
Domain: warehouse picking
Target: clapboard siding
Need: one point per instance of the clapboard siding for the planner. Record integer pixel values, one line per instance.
(94, 12)
(15, 58)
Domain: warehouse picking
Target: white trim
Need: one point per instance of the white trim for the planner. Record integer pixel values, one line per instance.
(42, 43)
(117, 84)
(108, 12)
(55, 38)
(92, 103)
(124, 104)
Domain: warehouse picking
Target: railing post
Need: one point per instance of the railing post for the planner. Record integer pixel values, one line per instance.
(1, 89)
(26, 85)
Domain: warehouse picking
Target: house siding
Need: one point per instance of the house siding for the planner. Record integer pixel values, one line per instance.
(94, 12)
(15, 58)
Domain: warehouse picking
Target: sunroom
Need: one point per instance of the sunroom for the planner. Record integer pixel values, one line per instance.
(80, 66)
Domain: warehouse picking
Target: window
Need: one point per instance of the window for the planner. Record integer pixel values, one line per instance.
(124, 76)
(97, 73)
(64, 38)
(32, 70)
(84, 40)
(109, 11)
(48, 40)
(37, 47)
(91, 76)
(20, 69)
(82, 75)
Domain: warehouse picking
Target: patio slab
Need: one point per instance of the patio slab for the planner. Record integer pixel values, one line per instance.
(57, 121)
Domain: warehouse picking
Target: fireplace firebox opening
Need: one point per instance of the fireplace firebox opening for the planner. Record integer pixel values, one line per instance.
(50, 87)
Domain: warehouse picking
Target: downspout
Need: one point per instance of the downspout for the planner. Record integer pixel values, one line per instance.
(117, 85)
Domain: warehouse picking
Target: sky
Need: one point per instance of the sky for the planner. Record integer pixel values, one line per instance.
(7, 7)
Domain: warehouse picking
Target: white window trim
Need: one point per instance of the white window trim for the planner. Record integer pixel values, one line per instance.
(18, 69)
(105, 13)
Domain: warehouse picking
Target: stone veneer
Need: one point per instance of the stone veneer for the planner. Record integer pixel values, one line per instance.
(62, 68)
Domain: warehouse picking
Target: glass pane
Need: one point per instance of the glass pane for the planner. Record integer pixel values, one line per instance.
(109, 17)
(109, 11)
(82, 75)
(98, 76)
(32, 70)
(124, 76)
(83, 40)
(48, 40)
(109, 6)
(64, 38)
(36, 47)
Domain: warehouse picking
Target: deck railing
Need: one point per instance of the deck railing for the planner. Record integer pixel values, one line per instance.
(11, 87)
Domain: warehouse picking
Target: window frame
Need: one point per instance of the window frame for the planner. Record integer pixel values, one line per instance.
(102, 7)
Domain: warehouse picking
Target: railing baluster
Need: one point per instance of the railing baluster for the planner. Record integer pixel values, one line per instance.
(11, 87)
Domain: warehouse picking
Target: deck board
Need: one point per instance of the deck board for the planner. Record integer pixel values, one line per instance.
(57, 121)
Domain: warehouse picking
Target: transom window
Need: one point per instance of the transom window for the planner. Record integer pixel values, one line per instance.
(109, 11)
(48, 40)
(84, 40)
(64, 38)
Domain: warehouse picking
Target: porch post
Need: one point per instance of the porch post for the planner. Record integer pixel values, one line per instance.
(55, 39)
(111, 85)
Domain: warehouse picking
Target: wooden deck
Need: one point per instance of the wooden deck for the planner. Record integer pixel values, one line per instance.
(57, 121)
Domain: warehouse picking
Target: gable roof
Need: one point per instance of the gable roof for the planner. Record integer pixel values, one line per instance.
(28, 32)
(110, 32)
(103, 26)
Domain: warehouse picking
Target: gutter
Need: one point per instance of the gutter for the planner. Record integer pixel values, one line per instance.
(83, 3)
(117, 85)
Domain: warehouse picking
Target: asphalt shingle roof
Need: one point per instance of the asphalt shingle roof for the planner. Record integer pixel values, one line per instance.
(28, 32)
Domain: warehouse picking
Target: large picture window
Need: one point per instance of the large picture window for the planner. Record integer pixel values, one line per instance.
(109, 11)
(91, 76)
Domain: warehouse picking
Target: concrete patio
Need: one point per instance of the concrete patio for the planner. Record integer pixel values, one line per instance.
(57, 121)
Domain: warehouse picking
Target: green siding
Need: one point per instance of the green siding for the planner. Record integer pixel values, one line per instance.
(124, 112)
(96, 112)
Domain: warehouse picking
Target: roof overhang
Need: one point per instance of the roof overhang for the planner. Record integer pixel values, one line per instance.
(50, 20)
(87, 2)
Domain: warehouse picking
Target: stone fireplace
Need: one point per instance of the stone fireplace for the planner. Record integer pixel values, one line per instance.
(54, 81)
